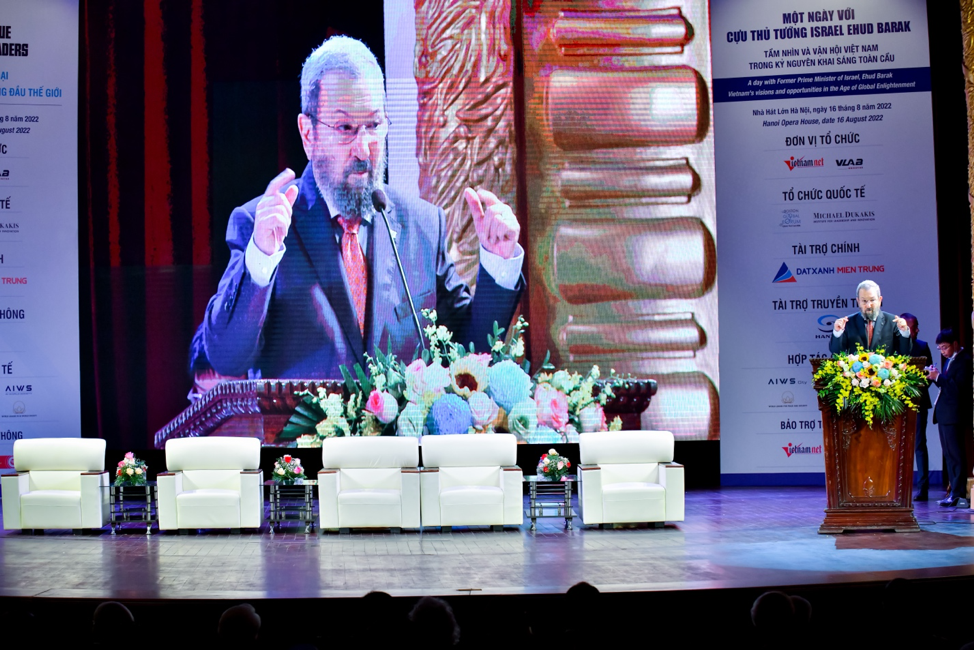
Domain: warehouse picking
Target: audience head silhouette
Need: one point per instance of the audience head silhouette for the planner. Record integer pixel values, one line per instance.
(433, 624)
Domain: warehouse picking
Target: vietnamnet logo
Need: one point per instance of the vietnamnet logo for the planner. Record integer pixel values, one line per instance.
(783, 275)
(800, 449)
(797, 163)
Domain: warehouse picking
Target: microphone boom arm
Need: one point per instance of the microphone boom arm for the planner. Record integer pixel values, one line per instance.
(380, 204)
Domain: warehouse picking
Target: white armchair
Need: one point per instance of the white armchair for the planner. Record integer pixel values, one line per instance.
(212, 482)
(629, 476)
(471, 480)
(369, 483)
(60, 483)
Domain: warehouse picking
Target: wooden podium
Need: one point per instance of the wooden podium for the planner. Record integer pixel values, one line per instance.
(259, 408)
(868, 471)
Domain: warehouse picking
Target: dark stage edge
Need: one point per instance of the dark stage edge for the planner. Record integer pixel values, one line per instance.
(733, 538)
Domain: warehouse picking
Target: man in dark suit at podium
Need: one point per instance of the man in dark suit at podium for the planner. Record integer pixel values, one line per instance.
(871, 327)
(952, 412)
(921, 349)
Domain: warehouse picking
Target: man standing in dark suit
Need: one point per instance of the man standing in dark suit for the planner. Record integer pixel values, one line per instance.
(952, 412)
(921, 349)
(312, 282)
(871, 327)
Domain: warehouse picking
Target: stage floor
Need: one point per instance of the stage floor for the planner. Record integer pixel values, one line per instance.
(732, 538)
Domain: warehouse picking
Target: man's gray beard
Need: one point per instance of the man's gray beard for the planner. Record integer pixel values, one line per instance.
(349, 201)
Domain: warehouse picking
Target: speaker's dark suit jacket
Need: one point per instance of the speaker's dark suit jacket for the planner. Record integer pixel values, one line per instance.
(303, 323)
(885, 335)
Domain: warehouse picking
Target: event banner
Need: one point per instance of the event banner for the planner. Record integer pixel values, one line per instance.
(39, 362)
(825, 178)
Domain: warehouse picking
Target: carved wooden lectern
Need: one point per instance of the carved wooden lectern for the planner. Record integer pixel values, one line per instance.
(868, 471)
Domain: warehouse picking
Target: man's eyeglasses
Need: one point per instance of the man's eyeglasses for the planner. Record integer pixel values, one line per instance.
(346, 132)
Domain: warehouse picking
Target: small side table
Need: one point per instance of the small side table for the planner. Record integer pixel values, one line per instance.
(291, 503)
(132, 503)
(549, 499)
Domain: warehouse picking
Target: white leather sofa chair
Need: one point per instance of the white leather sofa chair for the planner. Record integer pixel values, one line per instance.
(629, 476)
(211, 482)
(471, 480)
(369, 483)
(60, 483)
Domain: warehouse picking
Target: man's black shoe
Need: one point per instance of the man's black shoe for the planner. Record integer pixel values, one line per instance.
(948, 502)
(920, 496)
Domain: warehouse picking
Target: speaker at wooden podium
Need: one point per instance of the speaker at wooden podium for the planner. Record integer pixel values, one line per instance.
(868, 469)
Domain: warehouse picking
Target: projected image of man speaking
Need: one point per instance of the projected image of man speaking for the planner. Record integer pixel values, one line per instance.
(312, 282)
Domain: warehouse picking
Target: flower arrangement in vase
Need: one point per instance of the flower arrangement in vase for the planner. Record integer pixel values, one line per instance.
(288, 470)
(452, 389)
(553, 467)
(870, 385)
(131, 471)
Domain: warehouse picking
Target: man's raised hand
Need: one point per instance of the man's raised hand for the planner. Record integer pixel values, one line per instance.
(273, 217)
(839, 325)
(496, 225)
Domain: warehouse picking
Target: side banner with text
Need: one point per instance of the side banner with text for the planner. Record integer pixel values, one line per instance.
(39, 347)
(825, 178)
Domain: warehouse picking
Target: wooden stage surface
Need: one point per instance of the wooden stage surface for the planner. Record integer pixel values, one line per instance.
(732, 538)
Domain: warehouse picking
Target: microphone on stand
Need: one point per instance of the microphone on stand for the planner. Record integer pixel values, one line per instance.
(381, 204)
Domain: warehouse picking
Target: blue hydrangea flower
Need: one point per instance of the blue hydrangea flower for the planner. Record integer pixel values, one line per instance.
(875, 359)
(449, 415)
(857, 366)
(508, 384)
(883, 373)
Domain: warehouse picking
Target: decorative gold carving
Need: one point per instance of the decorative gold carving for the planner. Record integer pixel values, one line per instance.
(655, 107)
(465, 126)
(600, 260)
(622, 176)
(587, 33)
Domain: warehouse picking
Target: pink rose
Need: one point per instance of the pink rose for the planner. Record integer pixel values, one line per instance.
(383, 406)
(561, 465)
(121, 463)
(887, 364)
(299, 470)
(552, 407)
(425, 384)
(130, 455)
(482, 408)
(414, 380)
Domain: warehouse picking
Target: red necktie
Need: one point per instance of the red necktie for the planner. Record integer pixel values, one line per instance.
(355, 269)
(869, 334)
